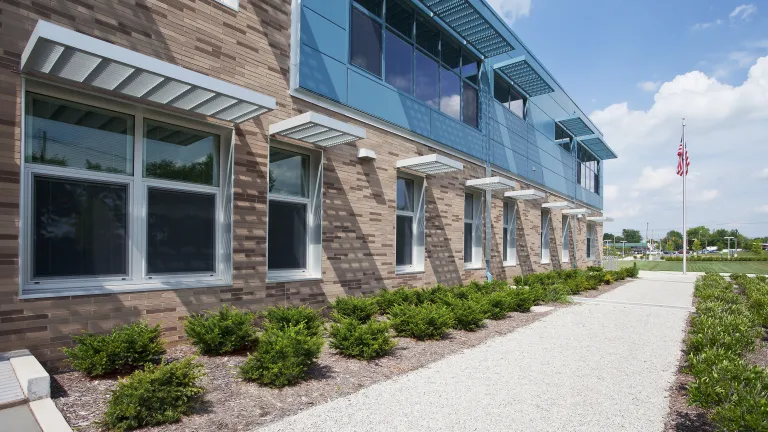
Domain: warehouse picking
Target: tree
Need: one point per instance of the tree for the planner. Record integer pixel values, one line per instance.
(631, 236)
(670, 246)
(756, 247)
(608, 236)
(696, 245)
(700, 233)
(676, 238)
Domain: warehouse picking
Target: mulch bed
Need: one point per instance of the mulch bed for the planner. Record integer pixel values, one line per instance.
(230, 404)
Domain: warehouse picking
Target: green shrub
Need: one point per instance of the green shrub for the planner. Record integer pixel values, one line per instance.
(387, 299)
(156, 395)
(223, 331)
(497, 305)
(558, 293)
(607, 278)
(427, 321)
(635, 271)
(732, 333)
(283, 356)
(747, 408)
(467, 314)
(594, 269)
(282, 317)
(715, 370)
(125, 348)
(523, 299)
(362, 340)
(359, 308)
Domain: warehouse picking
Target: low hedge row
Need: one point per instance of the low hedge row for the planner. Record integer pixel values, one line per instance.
(716, 258)
(725, 327)
(291, 338)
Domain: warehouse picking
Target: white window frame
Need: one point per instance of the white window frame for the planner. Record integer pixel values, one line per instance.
(546, 220)
(509, 216)
(566, 245)
(232, 4)
(313, 270)
(477, 231)
(590, 241)
(136, 278)
(417, 238)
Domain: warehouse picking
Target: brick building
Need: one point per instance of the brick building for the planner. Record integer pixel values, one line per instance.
(161, 157)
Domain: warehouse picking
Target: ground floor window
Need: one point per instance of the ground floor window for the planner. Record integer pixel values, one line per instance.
(473, 254)
(566, 243)
(409, 229)
(509, 245)
(112, 193)
(545, 222)
(590, 239)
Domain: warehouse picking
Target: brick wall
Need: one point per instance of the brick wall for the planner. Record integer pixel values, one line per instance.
(248, 48)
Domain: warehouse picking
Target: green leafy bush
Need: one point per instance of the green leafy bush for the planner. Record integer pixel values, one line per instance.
(359, 308)
(558, 293)
(125, 348)
(387, 299)
(523, 299)
(362, 340)
(283, 356)
(427, 321)
(282, 317)
(467, 314)
(223, 331)
(497, 305)
(156, 395)
(733, 333)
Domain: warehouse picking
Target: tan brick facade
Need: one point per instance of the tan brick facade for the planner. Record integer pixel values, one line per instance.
(249, 48)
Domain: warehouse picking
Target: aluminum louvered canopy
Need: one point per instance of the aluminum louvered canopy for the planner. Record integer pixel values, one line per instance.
(317, 129)
(576, 126)
(526, 194)
(57, 51)
(430, 164)
(599, 148)
(600, 219)
(470, 24)
(557, 205)
(521, 72)
(578, 211)
(492, 183)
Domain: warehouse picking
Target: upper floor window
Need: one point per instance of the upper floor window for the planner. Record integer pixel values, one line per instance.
(406, 50)
(562, 138)
(587, 169)
(508, 96)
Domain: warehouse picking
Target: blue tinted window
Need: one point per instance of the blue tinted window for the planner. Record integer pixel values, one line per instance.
(425, 88)
(450, 93)
(373, 6)
(427, 37)
(469, 69)
(366, 43)
(399, 67)
(469, 107)
(400, 18)
(450, 54)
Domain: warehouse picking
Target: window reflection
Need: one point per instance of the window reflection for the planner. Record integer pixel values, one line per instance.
(450, 93)
(399, 71)
(366, 43)
(426, 89)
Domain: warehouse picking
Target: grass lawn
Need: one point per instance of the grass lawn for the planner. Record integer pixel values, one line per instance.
(752, 267)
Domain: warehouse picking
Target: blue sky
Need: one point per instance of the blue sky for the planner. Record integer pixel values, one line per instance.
(636, 67)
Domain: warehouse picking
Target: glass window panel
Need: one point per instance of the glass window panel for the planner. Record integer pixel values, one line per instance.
(288, 173)
(72, 135)
(373, 6)
(405, 194)
(516, 103)
(469, 69)
(404, 241)
(467, 242)
(399, 59)
(400, 17)
(450, 93)
(177, 153)
(469, 106)
(504, 244)
(469, 207)
(287, 248)
(425, 88)
(181, 232)
(80, 228)
(366, 43)
(427, 37)
(450, 54)
(501, 91)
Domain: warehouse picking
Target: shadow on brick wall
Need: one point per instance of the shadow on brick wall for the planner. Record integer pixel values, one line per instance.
(438, 252)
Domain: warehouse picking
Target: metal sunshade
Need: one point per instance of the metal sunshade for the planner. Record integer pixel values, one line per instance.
(317, 129)
(492, 183)
(430, 164)
(576, 126)
(527, 194)
(468, 23)
(57, 51)
(578, 211)
(600, 219)
(599, 148)
(521, 72)
(557, 205)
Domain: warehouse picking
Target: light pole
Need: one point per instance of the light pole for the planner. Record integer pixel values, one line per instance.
(623, 243)
(729, 246)
(606, 245)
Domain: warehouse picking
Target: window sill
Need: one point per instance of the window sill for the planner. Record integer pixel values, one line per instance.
(405, 272)
(474, 267)
(298, 278)
(507, 264)
(39, 291)
(546, 262)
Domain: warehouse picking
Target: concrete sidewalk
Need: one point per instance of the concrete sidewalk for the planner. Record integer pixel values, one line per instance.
(591, 367)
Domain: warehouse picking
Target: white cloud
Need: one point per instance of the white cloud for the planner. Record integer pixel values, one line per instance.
(649, 86)
(611, 191)
(706, 25)
(724, 123)
(762, 209)
(511, 10)
(743, 12)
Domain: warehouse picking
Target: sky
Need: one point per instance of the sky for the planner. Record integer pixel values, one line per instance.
(637, 67)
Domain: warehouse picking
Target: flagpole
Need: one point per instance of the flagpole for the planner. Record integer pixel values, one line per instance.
(685, 174)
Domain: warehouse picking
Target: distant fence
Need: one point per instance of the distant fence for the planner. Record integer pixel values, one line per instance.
(610, 263)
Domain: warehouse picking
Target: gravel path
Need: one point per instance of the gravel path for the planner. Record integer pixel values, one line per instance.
(595, 366)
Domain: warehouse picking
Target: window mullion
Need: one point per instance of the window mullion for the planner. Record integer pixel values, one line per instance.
(137, 236)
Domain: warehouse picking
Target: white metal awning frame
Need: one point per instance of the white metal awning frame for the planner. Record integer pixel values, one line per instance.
(317, 129)
(492, 184)
(558, 205)
(55, 51)
(526, 194)
(430, 164)
(600, 219)
(578, 211)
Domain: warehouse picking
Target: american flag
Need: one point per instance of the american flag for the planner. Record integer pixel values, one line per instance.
(682, 160)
